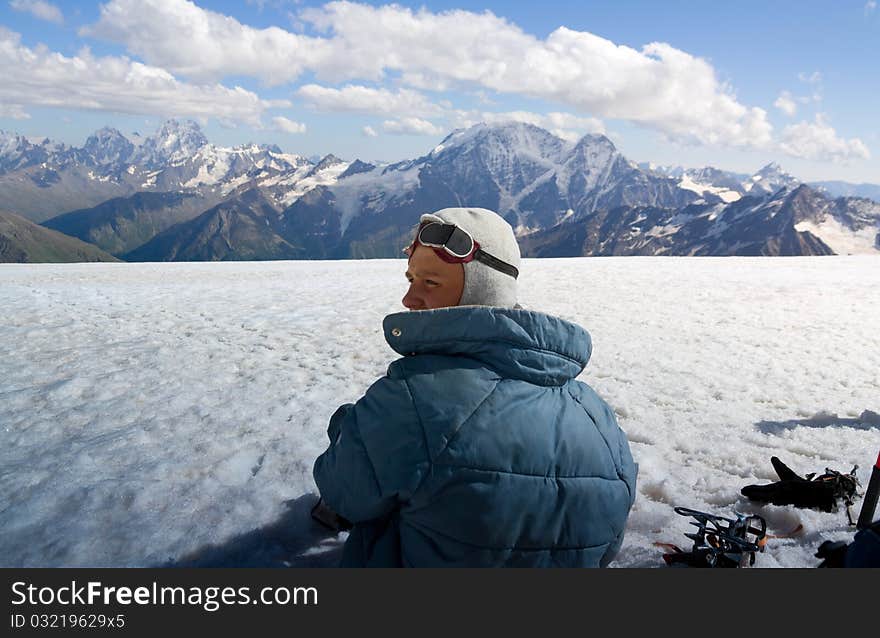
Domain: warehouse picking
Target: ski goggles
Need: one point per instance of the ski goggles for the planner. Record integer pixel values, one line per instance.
(455, 245)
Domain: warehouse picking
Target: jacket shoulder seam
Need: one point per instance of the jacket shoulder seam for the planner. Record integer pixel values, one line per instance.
(432, 461)
(465, 421)
(617, 462)
(598, 429)
(427, 471)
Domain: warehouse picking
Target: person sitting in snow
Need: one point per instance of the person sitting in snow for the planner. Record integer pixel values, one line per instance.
(478, 448)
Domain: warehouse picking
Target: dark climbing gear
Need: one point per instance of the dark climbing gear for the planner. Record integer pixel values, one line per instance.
(821, 492)
(720, 541)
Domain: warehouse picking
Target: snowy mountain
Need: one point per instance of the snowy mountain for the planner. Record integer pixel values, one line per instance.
(108, 147)
(17, 152)
(770, 179)
(40, 181)
(793, 221)
(709, 181)
(327, 207)
(174, 143)
(727, 186)
(531, 177)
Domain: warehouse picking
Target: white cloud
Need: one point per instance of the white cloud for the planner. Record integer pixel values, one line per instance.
(410, 126)
(369, 131)
(13, 111)
(190, 41)
(39, 9)
(411, 106)
(567, 120)
(786, 104)
(870, 6)
(658, 86)
(288, 126)
(818, 141)
(362, 99)
(40, 77)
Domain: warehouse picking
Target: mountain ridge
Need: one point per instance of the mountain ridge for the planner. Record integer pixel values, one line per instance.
(331, 208)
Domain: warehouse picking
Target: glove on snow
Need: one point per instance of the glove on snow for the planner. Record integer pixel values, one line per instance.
(813, 491)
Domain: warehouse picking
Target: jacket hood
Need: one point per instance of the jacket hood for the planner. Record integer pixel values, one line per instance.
(519, 344)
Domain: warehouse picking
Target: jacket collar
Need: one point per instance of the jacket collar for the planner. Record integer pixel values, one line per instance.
(518, 343)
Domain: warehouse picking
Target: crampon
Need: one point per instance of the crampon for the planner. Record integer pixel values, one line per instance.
(719, 541)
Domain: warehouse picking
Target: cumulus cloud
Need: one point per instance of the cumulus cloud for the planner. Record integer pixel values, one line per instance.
(657, 86)
(288, 126)
(369, 131)
(415, 106)
(569, 121)
(204, 45)
(817, 140)
(39, 9)
(362, 99)
(786, 104)
(40, 77)
(410, 126)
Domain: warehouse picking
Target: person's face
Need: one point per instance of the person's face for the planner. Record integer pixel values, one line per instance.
(433, 283)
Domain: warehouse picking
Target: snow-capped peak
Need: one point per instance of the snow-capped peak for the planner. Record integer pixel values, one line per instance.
(512, 135)
(326, 162)
(108, 146)
(12, 143)
(175, 142)
(187, 133)
(595, 139)
(770, 179)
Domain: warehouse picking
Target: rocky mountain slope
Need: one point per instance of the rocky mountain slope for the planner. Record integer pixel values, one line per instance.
(22, 241)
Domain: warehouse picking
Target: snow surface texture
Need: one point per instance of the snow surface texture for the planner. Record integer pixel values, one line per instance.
(170, 414)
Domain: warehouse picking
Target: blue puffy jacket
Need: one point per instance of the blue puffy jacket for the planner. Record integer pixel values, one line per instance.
(478, 448)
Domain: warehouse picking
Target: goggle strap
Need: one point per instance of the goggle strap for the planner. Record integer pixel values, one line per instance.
(493, 262)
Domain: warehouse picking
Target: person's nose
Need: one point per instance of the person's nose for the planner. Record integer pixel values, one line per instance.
(413, 300)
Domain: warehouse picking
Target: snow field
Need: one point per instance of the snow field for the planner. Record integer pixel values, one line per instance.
(170, 413)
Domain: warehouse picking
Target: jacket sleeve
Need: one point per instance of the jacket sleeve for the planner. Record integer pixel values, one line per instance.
(376, 457)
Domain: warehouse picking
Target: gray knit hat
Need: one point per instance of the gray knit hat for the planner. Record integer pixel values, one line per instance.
(483, 285)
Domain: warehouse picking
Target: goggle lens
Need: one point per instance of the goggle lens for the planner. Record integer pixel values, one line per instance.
(451, 238)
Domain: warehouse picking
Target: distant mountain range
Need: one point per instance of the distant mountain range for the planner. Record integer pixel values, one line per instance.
(175, 196)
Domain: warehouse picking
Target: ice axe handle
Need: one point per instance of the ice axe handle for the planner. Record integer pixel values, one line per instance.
(869, 503)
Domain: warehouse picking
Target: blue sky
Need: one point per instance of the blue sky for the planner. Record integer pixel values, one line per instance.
(733, 85)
